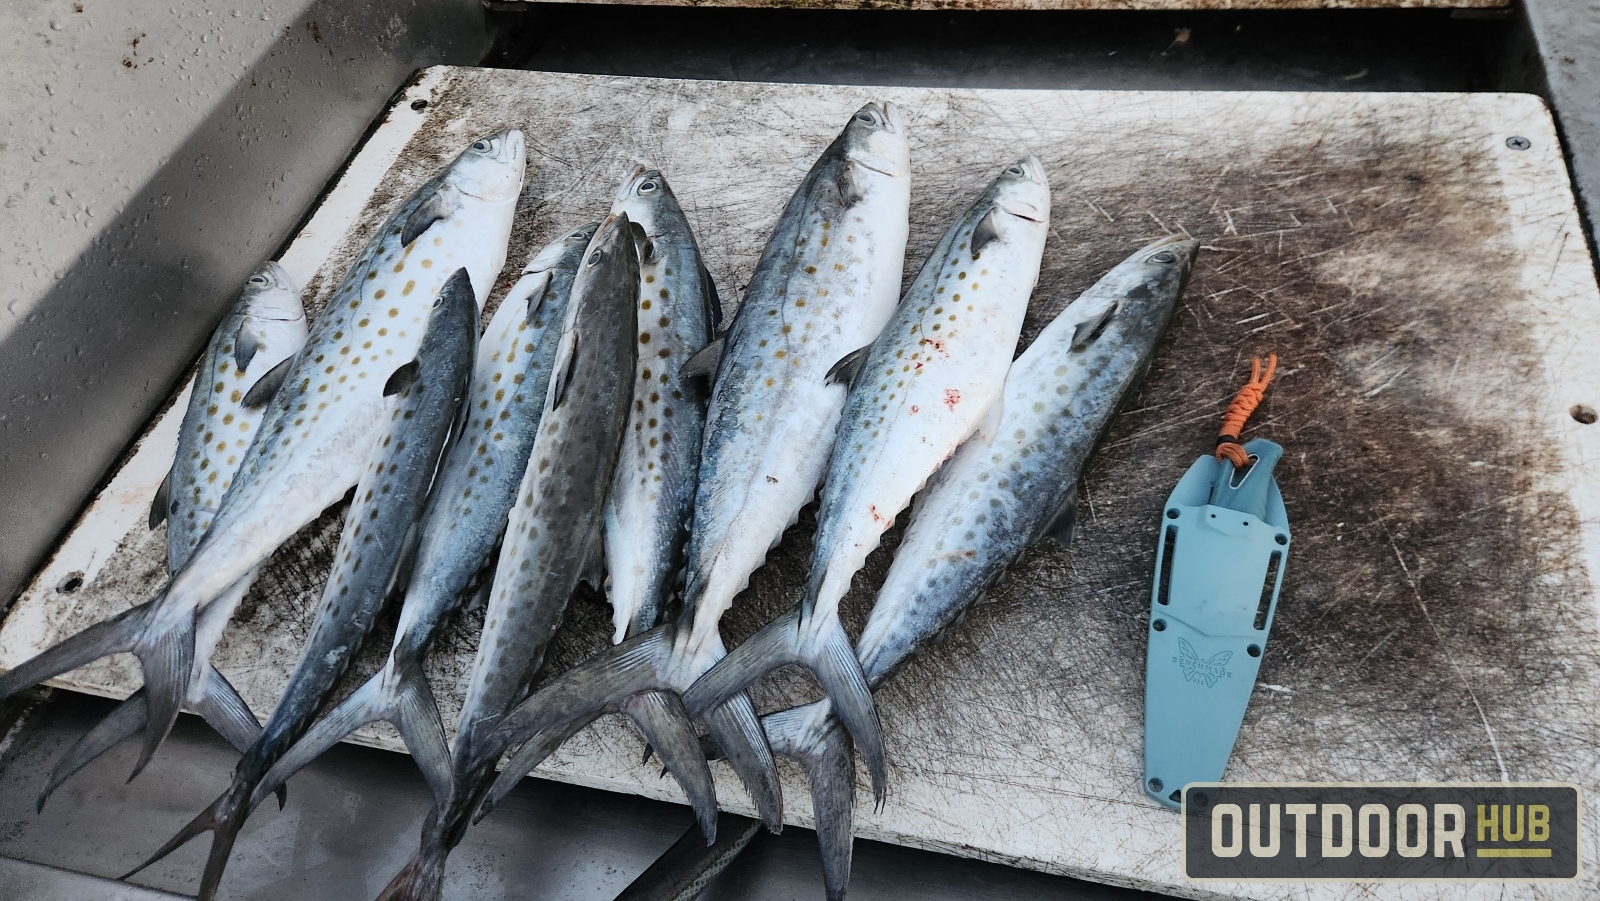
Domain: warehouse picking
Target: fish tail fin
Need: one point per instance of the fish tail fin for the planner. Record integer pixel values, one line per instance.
(665, 724)
(122, 722)
(742, 742)
(422, 879)
(828, 653)
(223, 820)
(168, 661)
(224, 710)
(826, 756)
(557, 711)
(116, 635)
(220, 705)
(840, 673)
(690, 864)
(401, 699)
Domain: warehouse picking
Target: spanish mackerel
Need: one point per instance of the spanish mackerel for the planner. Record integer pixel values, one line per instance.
(466, 515)
(265, 326)
(312, 444)
(1009, 485)
(916, 393)
(553, 538)
(379, 533)
(825, 285)
(647, 526)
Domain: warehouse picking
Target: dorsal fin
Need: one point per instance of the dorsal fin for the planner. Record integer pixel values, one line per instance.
(262, 391)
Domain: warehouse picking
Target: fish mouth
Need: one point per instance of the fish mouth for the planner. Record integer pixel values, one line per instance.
(513, 147)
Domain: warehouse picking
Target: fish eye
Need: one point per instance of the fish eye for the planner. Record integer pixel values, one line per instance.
(1013, 169)
(480, 145)
(645, 187)
(866, 117)
(258, 279)
(1164, 257)
(594, 258)
(438, 301)
(576, 235)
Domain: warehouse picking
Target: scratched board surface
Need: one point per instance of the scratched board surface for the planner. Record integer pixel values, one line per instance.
(1424, 282)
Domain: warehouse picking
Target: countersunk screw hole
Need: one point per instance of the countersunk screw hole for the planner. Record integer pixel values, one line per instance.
(71, 583)
(1584, 414)
(1159, 625)
(1173, 514)
(1281, 539)
(1254, 650)
(1156, 786)
(419, 105)
(1518, 142)
(1199, 799)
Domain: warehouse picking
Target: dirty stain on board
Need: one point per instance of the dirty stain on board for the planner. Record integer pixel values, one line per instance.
(1436, 621)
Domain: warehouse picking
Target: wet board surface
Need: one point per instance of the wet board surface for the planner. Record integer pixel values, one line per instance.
(1428, 290)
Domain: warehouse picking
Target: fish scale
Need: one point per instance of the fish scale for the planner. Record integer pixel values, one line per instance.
(379, 531)
(1004, 488)
(552, 539)
(826, 284)
(647, 520)
(264, 327)
(917, 391)
(330, 403)
(466, 515)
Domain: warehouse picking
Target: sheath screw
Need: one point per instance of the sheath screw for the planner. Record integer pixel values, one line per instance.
(1518, 142)
(1159, 625)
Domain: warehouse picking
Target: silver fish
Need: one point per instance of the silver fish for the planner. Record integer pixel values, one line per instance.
(647, 525)
(1007, 486)
(379, 532)
(553, 538)
(466, 515)
(312, 442)
(265, 326)
(825, 285)
(917, 392)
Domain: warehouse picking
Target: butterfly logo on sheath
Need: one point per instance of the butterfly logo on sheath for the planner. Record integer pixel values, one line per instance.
(1196, 669)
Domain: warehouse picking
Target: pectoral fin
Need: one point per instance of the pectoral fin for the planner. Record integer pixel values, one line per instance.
(158, 507)
(536, 297)
(566, 360)
(708, 290)
(401, 379)
(704, 362)
(1060, 525)
(845, 371)
(245, 345)
(262, 391)
(421, 218)
(985, 232)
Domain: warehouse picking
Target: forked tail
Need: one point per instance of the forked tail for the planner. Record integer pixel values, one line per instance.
(422, 879)
(403, 699)
(825, 755)
(223, 819)
(167, 657)
(827, 652)
(630, 678)
(220, 705)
